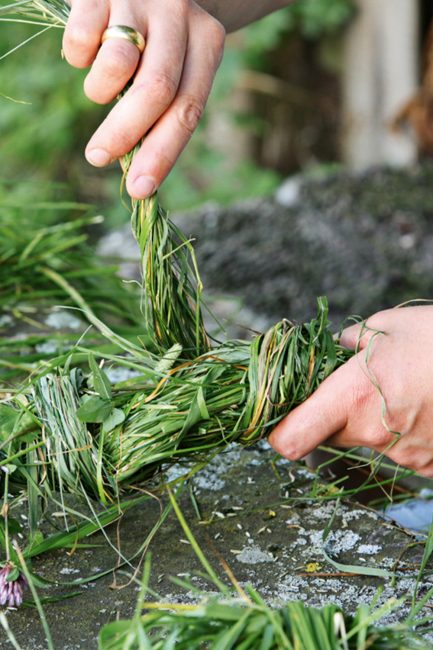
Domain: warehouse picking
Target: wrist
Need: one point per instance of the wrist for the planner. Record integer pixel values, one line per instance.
(234, 14)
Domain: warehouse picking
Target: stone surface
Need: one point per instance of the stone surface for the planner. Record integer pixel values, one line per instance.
(30, 334)
(256, 513)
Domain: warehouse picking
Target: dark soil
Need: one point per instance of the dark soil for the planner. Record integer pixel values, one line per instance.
(365, 241)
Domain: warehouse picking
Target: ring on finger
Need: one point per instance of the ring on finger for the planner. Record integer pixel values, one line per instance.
(125, 33)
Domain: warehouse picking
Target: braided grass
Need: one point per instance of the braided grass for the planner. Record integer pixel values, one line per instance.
(191, 398)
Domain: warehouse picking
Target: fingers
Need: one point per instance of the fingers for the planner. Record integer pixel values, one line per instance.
(381, 398)
(323, 414)
(355, 336)
(113, 67)
(173, 130)
(171, 82)
(82, 37)
(117, 59)
(344, 411)
(358, 336)
(154, 88)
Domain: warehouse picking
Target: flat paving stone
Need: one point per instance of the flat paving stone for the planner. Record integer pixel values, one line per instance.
(250, 509)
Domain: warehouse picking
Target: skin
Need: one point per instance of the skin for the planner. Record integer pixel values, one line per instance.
(381, 398)
(170, 82)
(234, 14)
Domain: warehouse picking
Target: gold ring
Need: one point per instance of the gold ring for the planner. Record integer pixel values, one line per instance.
(127, 33)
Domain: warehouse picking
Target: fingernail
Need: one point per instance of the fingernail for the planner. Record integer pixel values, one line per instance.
(98, 157)
(143, 186)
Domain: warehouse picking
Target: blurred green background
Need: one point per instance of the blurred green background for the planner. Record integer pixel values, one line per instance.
(263, 95)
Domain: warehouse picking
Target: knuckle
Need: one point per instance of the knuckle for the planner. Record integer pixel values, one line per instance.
(162, 163)
(379, 437)
(407, 459)
(189, 112)
(416, 464)
(216, 35)
(380, 319)
(400, 416)
(361, 396)
(181, 7)
(162, 89)
(411, 456)
(216, 31)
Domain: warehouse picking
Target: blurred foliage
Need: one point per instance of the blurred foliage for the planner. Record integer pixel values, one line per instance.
(203, 174)
(44, 129)
(45, 121)
(50, 112)
(313, 19)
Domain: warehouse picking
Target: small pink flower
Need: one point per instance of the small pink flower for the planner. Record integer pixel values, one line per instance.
(11, 591)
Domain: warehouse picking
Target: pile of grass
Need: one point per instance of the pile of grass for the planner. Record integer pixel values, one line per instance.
(53, 236)
(40, 243)
(218, 624)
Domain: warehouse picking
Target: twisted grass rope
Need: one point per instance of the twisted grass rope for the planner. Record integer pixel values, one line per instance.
(192, 398)
(234, 392)
(171, 282)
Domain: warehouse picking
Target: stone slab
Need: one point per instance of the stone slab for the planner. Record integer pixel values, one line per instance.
(254, 511)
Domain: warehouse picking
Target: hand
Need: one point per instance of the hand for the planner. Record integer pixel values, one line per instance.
(381, 398)
(171, 80)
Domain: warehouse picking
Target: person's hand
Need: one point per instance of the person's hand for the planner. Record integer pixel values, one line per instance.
(381, 398)
(171, 80)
